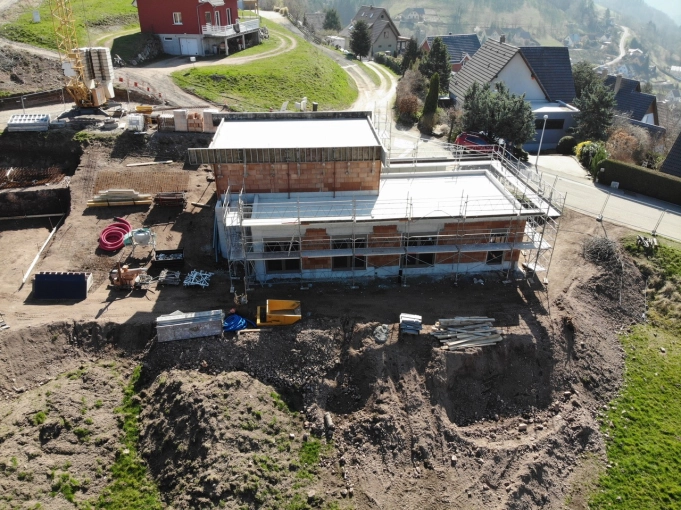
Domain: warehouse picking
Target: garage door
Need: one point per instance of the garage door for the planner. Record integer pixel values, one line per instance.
(189, 46)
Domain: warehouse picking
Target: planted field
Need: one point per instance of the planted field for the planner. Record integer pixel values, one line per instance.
(644, 423)
(95, 14)
(304, 71)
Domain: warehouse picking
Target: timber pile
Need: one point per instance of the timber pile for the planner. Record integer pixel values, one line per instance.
(118, 197)
(171, 199)
(464, 332)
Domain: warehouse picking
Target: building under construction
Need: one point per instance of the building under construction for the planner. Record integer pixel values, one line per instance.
(317, 197)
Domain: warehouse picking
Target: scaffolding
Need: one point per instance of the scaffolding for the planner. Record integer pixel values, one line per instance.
(532, 218)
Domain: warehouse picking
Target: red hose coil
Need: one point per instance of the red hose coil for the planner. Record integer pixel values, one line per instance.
(111, 238)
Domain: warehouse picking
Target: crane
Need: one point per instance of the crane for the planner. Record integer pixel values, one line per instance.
(72, 58)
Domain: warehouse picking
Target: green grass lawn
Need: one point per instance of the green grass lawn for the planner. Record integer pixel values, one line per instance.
(97, 13)
(644, 448)
(302, 72)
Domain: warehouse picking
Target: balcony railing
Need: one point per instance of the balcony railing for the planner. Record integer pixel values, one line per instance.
(245, 26)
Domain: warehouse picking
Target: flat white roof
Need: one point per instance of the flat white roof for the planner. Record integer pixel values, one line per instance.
(415, 196)
(294, 133)
(545, 107)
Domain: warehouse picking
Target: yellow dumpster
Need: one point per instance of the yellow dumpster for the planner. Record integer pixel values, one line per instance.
(278, 312)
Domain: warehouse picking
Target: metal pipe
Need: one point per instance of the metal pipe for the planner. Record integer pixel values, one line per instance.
(536, 161)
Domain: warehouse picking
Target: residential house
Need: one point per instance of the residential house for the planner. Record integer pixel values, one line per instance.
(384, 33)
(520, 37)
(672, 163)
(542, 74)
(460, 47)
(638, 108)
(413, 14)
(631, 102)
(307, 196)
(674, 96)
(572, 40)
(203, 28)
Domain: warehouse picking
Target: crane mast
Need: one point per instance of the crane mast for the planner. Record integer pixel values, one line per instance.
(69, 54)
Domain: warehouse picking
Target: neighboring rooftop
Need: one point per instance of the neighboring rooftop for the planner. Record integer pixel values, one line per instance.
(630, 100)
(672, 163)
(551, 66)
(424, 195)
(286, 131)
(457, 45)
(487, 63)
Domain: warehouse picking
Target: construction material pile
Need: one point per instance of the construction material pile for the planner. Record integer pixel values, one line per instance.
(169, 277)
(410, 324)
(171, 199)
(197, 279)
(464, 332)
(118, 197)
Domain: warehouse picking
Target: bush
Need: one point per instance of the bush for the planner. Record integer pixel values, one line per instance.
(641, 180)
(394, 64)
(566, 145)
(521, 154)
(408, 108)
(590, 154)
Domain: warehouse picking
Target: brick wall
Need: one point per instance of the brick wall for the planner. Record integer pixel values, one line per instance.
(299, 177)
(384, 236)
(316, 239)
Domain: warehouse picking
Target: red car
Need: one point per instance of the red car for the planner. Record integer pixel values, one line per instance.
(474, 141)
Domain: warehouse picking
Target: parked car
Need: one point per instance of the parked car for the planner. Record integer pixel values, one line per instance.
(474, 141)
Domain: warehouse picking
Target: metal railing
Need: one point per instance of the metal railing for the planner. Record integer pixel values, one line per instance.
(229, 30)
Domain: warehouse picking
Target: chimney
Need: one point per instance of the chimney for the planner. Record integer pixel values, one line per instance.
(618, 83)
(502, 38)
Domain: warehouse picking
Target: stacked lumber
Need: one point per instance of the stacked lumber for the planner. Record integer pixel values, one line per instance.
(171, 199)
(464, 332)
(116, 197)
(195, 122)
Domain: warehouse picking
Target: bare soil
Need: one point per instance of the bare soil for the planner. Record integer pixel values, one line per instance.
(25, 72)
(509, 426)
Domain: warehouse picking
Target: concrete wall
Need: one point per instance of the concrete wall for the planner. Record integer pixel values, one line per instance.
(298, 177)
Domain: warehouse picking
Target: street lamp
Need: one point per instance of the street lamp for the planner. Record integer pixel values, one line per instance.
(536, 161)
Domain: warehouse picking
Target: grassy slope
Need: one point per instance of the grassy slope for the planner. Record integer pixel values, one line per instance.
(644, 448)
(95, 12)
(303, 72)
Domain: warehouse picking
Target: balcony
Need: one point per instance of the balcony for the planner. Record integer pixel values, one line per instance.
(245, 26)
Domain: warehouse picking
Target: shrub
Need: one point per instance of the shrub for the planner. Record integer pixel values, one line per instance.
(521, 154)
(641, 180)
(408, 108)
(590, 154)
(566, 145)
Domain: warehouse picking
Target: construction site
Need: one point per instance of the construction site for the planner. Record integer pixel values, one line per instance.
(201, 309)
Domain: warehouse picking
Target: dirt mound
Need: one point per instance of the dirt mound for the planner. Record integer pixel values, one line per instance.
(23, 72)
(226, 440)
(58, 442)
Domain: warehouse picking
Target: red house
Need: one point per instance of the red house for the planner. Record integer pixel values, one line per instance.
(203, 27)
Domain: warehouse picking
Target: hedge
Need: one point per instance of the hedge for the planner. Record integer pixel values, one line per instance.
(641, 180)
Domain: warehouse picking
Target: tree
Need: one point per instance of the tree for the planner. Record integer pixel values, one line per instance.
(360, 40)
(437, 61)
(647, 88)
(596, 111)
(498, 114)
(332, 20)
(584, 75)
(427, 120)
(410, 56)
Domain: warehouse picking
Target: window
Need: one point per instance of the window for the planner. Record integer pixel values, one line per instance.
(177, 18)
(167, 38)
(285, 247)
(494, 258)
(498, 235)
(385, 34)
(550, 124)
(217, 19)
(208, 19)
(412, 259)
(348, 262)
(229, 16)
